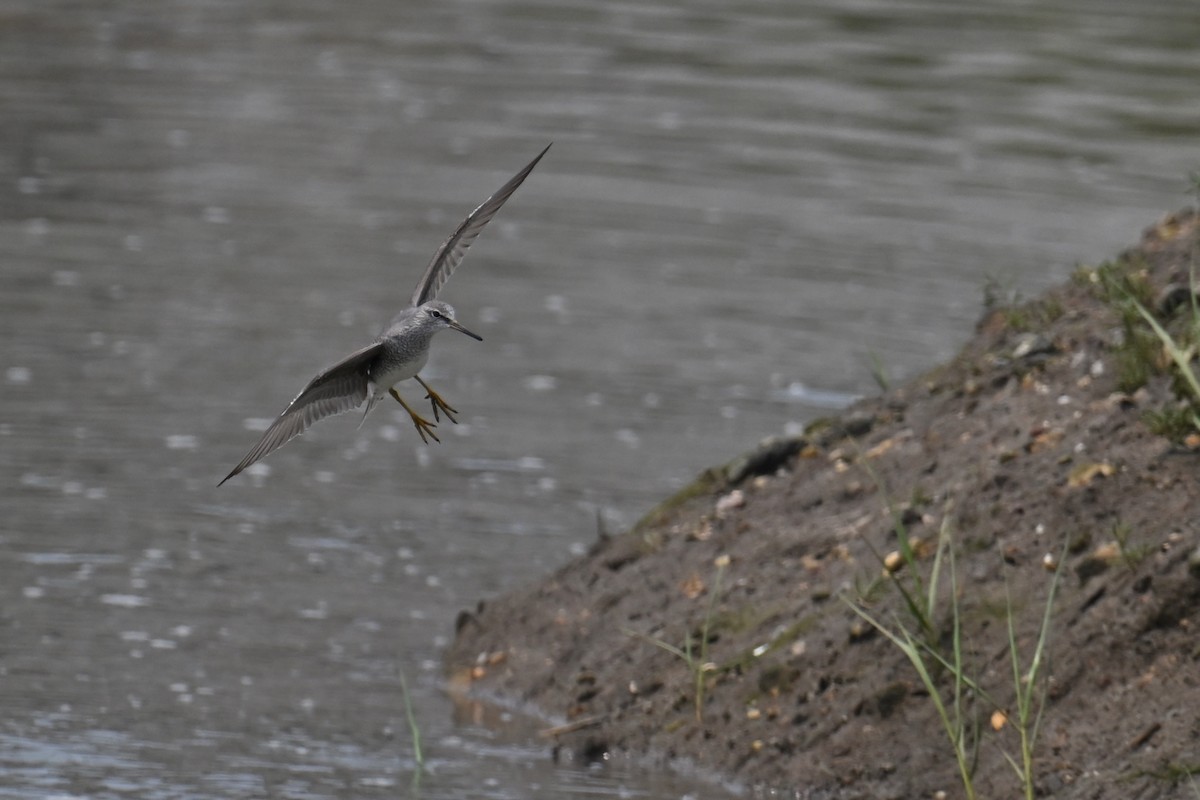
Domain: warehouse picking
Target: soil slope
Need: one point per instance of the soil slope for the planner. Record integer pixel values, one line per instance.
(1057, 435)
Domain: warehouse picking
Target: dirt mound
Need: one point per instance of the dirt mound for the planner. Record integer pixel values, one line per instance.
(722, 629)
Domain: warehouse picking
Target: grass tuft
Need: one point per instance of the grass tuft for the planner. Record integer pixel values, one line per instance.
(1029, 685)
(879, 372)
(935, 659)
(961, 730)
(695, 656)
(1152, 346)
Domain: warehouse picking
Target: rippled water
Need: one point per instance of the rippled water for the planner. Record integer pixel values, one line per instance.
(203, 203)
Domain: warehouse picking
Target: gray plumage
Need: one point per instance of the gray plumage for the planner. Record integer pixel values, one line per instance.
(400, 351)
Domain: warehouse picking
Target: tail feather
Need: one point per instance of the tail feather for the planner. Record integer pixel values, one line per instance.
(372, 399)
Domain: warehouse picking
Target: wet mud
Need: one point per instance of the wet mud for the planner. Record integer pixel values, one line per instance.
(722, 630)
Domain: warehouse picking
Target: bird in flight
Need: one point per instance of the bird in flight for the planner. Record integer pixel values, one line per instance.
(397, 354)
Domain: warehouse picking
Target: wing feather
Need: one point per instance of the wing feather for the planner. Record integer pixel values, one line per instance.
(450, 254)
(335, 390)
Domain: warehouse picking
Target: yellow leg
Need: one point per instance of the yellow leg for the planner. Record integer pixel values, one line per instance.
(424, 426)
(437, 402)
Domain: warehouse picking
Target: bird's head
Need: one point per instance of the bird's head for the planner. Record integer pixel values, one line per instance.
(441, 315)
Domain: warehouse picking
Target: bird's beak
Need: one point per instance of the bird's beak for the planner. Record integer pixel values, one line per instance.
(454, 324)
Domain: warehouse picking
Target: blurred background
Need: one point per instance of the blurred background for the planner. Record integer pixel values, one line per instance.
(748, 210)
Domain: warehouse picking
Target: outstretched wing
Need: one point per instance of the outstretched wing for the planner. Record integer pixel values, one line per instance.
(339, 388)
(451, 253)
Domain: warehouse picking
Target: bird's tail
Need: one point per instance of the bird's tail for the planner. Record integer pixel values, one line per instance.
(372, 399)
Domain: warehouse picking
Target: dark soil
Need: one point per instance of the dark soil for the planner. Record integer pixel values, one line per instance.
(1057, 435)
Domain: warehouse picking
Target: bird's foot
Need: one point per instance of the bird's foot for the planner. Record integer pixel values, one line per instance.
(438, 403)
(423, 426)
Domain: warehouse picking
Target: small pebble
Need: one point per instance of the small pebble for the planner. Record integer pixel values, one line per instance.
(735, 499)
(1194, 563)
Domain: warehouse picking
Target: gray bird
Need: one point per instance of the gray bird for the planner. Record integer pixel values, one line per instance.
(397, 354)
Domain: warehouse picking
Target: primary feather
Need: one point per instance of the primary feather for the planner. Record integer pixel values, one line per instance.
(337, 389)
(450, 254)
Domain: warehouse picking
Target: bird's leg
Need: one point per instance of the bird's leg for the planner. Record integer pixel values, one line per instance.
(437, 402)
(424, 426)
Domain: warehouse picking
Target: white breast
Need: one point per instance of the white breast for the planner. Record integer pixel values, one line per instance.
(390, 377)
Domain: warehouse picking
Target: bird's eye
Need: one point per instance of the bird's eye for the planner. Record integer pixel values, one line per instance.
(437, 314)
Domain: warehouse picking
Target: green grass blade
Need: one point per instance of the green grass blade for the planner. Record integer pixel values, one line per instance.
(1181, 357)
(418, 756)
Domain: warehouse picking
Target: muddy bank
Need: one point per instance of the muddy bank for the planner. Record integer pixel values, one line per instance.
(720, 630)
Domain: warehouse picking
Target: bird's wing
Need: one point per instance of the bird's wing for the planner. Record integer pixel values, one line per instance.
(451, 253)
(339, 388)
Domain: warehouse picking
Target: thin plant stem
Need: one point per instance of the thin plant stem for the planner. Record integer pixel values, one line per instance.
(415, 730)
(920, 612)
(708, 613)
(1025, 684)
